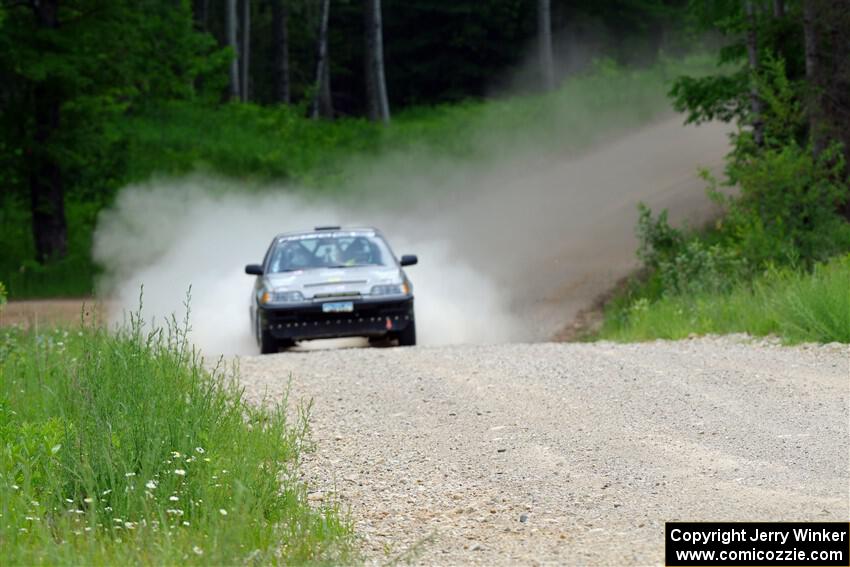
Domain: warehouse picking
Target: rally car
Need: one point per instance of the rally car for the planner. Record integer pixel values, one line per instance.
(331, 282)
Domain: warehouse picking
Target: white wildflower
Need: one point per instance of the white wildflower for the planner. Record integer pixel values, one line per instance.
(180, 472)
(198, 550)
(222, 511)
(151, 484)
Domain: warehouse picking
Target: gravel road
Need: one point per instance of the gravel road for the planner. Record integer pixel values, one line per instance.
(567, 453)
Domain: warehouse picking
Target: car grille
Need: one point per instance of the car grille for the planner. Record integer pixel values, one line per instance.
(353, 294)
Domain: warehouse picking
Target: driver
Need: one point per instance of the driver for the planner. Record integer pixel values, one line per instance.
(358, 253)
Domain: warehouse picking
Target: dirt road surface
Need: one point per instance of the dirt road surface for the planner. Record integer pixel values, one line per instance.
(567, 453)
(35, 313)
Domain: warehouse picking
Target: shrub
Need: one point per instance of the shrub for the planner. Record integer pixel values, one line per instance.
(682, 263)
(786, 212)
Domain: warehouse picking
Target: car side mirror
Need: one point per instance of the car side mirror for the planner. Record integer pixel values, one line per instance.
(254, 270)
(409, 260)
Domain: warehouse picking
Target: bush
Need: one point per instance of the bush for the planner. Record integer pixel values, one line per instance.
(682, 264)
(786, 213)
(123, 448)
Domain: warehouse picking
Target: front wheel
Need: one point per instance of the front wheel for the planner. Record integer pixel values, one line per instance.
(407, 337)
(265, 340)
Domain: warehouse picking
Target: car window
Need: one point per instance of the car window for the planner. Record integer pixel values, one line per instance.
(342, 250)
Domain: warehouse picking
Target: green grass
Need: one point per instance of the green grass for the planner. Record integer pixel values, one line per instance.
(120, 448)
(278, 144)
(795, 305)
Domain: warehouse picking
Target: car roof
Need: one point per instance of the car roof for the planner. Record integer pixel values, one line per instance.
(330, 230)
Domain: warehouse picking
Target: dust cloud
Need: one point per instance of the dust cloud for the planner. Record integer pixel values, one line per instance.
(509, 249)
(169, 235)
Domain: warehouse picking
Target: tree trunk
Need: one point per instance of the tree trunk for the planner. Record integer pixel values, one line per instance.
(232, 42)
(322, 102)
(812, 76)
(826, 25)
(201, 12)
(47, 190)
(245, 55)
(376, 85)
(778, 8)
(280, 33)
(753, 56)
(544, 38)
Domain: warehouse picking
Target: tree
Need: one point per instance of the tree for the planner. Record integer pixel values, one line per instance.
(232, 42)
(753, 58)
(245, 53)
(812, 74)
(47, 189)
(322, 103)
(544, 39)
(70, 69)
(376, 86)
(201, 12)
(280, 40)
(826, 25)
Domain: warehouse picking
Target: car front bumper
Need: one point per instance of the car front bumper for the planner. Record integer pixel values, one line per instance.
(369, 318)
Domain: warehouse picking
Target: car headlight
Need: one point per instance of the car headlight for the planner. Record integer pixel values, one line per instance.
(281, 297)
(391, 289)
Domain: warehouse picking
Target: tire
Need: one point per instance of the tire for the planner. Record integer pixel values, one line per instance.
(407, 337)
(265, 340)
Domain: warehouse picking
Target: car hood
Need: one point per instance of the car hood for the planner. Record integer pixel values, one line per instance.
(332, 282)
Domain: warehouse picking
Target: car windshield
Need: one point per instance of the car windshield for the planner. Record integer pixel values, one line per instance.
(337, 250)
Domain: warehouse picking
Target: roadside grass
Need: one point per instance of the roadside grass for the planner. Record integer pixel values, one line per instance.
(797, 306)
(280, 145)
(120, 447)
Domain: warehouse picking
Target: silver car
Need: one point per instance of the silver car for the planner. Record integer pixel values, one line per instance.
(331, 282)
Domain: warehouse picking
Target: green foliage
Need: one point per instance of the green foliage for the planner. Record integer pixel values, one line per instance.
(278, 144)
(782, 210)
(101, 60)
(715, 97)
(725, 95)
(786, 213)
(122, 447)
(795, 305)
(780, 215)
(248, 141)
(24, 277)
(680, 263)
